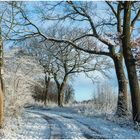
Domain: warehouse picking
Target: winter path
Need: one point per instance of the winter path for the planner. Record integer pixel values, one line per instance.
(65, 126)
(66, 123)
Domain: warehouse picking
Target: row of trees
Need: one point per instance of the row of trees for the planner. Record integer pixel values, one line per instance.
(39, 93)
(66, 44)
(62, 64)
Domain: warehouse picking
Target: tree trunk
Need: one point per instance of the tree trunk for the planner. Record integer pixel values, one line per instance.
(60, 98)
(1, 108)
(61, 92)
(1, 82)
(47, 82)
(122, 104)
(130, 63)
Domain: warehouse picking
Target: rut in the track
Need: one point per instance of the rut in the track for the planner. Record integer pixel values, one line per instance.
(55, 129)
(58, 125)
(97, 133)
(86, 131)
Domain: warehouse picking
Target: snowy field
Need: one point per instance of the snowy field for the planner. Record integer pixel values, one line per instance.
(65, 123)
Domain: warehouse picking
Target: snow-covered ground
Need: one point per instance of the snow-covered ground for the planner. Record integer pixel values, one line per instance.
(66, 123)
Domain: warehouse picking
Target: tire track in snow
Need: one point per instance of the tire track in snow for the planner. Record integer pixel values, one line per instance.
(63, 127)
(55, 128)
(60, 128)
(68, 130)
(85, 130)
(41, 115)
(98, 134)
(92, 129)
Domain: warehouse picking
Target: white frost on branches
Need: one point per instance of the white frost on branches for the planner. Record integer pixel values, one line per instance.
(20, 74)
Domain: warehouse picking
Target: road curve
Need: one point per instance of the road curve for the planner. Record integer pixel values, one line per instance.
(67, 127)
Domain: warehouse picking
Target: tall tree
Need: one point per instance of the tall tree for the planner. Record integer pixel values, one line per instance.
(69, 62)
(6, 25)
(81, 13)
(129, 58)
(124, 35)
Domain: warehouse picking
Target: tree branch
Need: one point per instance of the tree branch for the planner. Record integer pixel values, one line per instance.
(135, 18)
(112, 8)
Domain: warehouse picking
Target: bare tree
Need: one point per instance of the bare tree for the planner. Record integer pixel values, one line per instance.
(6, 25)
(60, 63)
(128, 24)
(70, 61)
(20, 77)
(81, 13)
(77, 10)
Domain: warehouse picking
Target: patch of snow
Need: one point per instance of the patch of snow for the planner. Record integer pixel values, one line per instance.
(66, 123)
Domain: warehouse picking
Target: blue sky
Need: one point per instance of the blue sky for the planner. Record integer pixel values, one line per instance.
(84, 87)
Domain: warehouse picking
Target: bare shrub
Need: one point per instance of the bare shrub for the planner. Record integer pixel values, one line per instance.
(19, 78)
(103, 102)
(38, 93)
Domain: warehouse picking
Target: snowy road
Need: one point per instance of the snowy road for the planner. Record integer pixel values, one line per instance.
(67, 127)
(67, 123)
